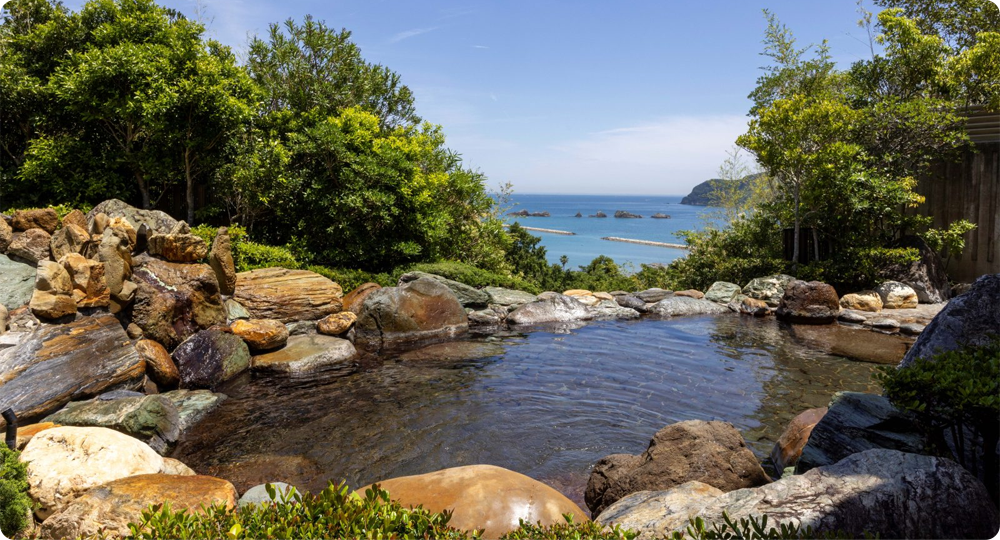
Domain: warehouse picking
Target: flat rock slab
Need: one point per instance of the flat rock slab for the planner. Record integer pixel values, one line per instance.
(305, 354)
(59, 363)
(508, 297)
(287, 295)
(17, 281)
(453, 351)
(193, 405)
(676, 306)
(151, 419)
(855, 343)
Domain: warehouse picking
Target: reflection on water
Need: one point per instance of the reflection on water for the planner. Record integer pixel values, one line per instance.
(550, 406)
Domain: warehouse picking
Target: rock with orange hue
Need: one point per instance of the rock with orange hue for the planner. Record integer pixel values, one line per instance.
(42, 218)
(180, 248)
(6, 235)
(221, 260)
(421, 309)
(69, 239)
(789, 446)
(862, 301)
(308, 354)
(52, 297)
(261, 334)
(483, 497)
(174, 300)
(77, 218)
(25, 433)
(691, 293)
(89, 286)
(287, 295)
(32, 246)
(336, 324)
(809, 302)
(159, 366)
(356, 298)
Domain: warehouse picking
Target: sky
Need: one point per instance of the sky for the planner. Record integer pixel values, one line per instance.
(585, 97)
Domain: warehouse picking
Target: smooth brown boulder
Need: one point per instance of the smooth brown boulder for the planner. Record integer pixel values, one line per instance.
(691, 293)
(483, 497)
(159, 365)
(336, 324)
(89, 286)
(69, 239)
(287, 295)
(31, 246)
(260, 334)
(221, 260)
(42, 218)
(752, 306)
(174, 300)
(710, 452)
(809, 302)
(356, 298)
(6, 236)
(75, 217)
(862, 301)
(420, 309)
(789, 446)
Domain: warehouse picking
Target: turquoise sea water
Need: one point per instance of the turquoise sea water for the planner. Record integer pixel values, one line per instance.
(587, 244)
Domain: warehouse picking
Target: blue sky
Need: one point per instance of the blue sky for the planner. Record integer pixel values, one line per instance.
(638, 97)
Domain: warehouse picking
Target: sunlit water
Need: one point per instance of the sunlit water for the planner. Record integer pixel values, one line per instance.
(550, 406)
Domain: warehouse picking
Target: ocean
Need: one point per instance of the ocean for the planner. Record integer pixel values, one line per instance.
(586, 244)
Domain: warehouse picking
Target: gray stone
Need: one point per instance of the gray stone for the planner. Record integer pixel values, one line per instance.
(157, 221)
(193, 405)
(151, 419)
(309, 354)
(210, 358)
(17, 282)
(769, 289)
(884, 492)
(30, 246)
(654, 295)
(723, 292)
(911, 329)
(484, 317)
(630, 301)
(469, 297)
(508, 297)
(258, 494)
(609, 309)
(559, 308)
(883, 323)
(851, 317)
(301, 328)
(856, 422)
(235, 310)
(684, 305)
(969, 319)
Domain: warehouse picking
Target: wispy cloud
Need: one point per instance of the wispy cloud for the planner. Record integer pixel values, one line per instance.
(480, 47)
(407, 34)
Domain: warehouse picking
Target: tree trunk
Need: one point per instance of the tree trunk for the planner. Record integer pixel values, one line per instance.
(795, 247)
(190, 186)
(143, 189)
(815, 244)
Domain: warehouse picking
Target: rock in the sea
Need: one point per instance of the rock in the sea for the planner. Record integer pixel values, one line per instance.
(682, 305)
(884, 492)
(261, 334)
(151, 419)
(42, 218)
(108, 509)
(710, 452)
(557, 308)
(193, 405)
(178, 247)
(64, 462)
(90, 289)
(896, 295)
(58, 363)
(210, 358)
(926, 275)
(258, 494)
(809, 302)
(862, 301)
(969, 319)
(691, 293)
(287, 295)
(483, 497)
(221, 260)
(469, 297)
(654, 514)
(654, 295)
(69, 239)
(159, 366)
(336, 324)
(856, 422)
(175, 300)
(30, 246)
(769, 289)
(17, 282)
(309, 354)
(6, 235)
(418, 310)
(789, 446)
(53, 295)
(155, 220)
(508, 297)
(356, 298)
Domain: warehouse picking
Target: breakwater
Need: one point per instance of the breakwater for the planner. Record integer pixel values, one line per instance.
(550, 231)
(644, 242)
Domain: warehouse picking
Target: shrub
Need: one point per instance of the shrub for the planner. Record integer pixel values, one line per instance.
(351, 279)
(470, 275)
(569, 531)
(251, 255)
(15, 504)
(751, 528)
(61, 209)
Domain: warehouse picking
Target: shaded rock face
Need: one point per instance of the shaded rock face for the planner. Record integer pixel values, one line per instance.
(159, 366)
(261, 334)
(221, 260)
(769, 289)
(72, 361)
(336, 324)
(555, 308)
(155, 220)
(287, 295)
(682, 305)
(856, 422)
(654, 514)
(631, 301)
(17, 281)
(418, 310)
(789, 445)
(356, 298)
(193, 405)
(885, 492)
(210, 358)
(6, 235)
(69, 239)
(75, 217)
(710, 452)
(469, 297)
(862, 301)
(151, 419)
(109, 508)
(508, 297)
(178, 247)
(896, 295)
(309, 354)
(64, 462)
(43, 218)
(30, 246)
(809, 302)
(472, 491)
(926, 275)
(968, 319)
(173, 300)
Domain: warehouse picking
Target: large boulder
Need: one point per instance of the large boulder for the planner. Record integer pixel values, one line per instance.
(710, 452)
(64, 462)
(175, 300)
(884, 492)
(58, 363)
(862, 301)
(308, 354)
(109, 508)
(41, 218)
(221, 259)
(17, 282)
(30, 246)
(809, 302)
(210, 358)
(856, 422)
(287, 295)
(483, 497)
(76, 217)
(676, 306)
(769, 289)
(896, 295)
(151, 419)
(159, 366)
(356, 298)
(261, 334)
(969, 319)
(155, 220)
(508, 297)
(789, 445)
(418, 310)
(469, 297)
(193, 405)
(654, 514)
(554, 308)
(53, 295)
(115, 253)
(926, 275)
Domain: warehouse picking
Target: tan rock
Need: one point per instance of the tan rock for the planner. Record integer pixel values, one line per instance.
(789, 446)
(309, 353)
(578, 292)
(176, 467)
(261, 334)
(603, 296)
(657, 513)
(25, 433)
(483, 497)
(89, 287)
(75, 217)
(3, 317)
(356, 298)
(42, 218)
(64, 462)
(52, 297)
(691, 293)
(99, 223)
(52, 277)
(31, 245)
(6, 235)
(753, 306)
(221, 260)
(133, 331)
(114, 252)
(122, 225)
(896, 295)
(336, 324)
(178, 247)
(69, 239)
(287, 295)
(109, 508)
(159, 365)
(862, 301)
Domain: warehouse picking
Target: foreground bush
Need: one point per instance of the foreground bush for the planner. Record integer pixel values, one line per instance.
(15, 505)
(750, 528)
